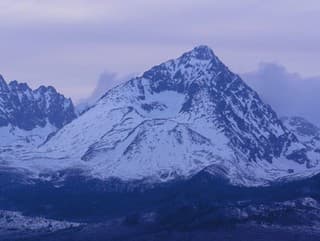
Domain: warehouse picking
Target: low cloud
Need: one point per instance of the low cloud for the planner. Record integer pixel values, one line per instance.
(106, 81)
(288, 93)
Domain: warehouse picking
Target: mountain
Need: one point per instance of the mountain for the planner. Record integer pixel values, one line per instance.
(185, 150)
(29, 116)
(106, 81)
(306, 132)
(179, 118)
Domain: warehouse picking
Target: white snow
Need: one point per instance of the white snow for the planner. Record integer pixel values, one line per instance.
(13, 136)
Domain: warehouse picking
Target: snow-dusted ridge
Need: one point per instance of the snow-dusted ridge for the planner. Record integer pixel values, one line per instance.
(305, 131)
(28, 116)
(180, 117)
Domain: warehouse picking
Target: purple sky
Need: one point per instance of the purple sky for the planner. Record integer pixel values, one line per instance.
(68, 44)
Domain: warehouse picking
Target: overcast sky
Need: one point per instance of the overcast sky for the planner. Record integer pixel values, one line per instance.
(68, 44)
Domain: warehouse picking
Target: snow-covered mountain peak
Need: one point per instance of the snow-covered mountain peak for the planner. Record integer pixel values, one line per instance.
(201, 52)
(25, 112)
(199, 64)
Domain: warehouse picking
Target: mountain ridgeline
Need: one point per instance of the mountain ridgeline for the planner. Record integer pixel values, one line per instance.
(179, 118)
(22, 107)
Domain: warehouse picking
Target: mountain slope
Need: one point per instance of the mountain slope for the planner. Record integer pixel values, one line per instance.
(305, 131)
(28, 116)
(178, 118)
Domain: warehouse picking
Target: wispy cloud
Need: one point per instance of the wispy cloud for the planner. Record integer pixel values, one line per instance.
(288, 93)
(106, 81)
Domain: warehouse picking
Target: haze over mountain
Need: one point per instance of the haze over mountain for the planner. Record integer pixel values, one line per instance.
(106, 81)
(288, 93)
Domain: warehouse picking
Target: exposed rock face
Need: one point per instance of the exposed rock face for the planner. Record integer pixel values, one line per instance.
(22, 107)
(29, 116)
